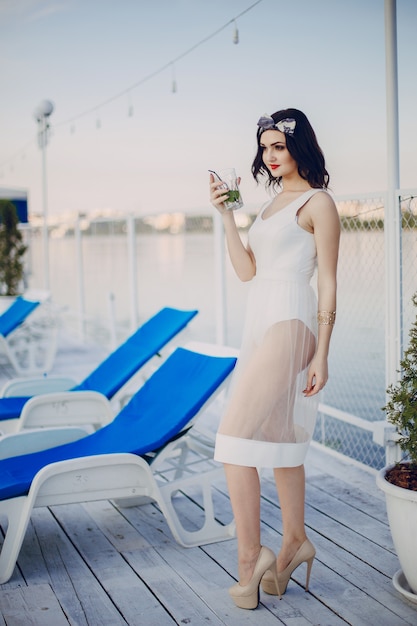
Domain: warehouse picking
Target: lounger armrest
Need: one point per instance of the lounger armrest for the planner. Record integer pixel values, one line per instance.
(67, 408)
(27, 441)
(36, 385)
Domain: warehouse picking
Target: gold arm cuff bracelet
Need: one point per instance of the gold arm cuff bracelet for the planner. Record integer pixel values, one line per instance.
(326, 318)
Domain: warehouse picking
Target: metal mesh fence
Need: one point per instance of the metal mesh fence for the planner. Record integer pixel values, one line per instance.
(356, 363)
(106, 280)
(357, 359)
(408, 203)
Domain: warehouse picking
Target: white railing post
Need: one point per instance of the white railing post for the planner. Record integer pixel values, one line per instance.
(392, 228)
(220, 279)
(80, 277)
(131, 247)
(45, 218)
(111, 300)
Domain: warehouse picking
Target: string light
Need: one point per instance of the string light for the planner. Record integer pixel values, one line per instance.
(130, 108)
(14, 156)
(174, 81)
(148, 77)
(235, 34)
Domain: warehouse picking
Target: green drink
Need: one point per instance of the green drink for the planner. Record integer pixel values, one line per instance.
(234, 195)
(230, 187)
(234, 199)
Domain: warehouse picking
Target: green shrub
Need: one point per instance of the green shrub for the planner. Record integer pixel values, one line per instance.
(12, 250)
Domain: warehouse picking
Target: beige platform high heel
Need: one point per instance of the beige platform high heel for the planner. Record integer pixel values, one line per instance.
(247, 596)
(277, 584)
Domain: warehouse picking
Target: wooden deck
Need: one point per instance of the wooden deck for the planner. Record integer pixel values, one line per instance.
(96, 564)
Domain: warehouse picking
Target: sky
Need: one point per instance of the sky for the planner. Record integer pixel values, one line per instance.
(325, 57)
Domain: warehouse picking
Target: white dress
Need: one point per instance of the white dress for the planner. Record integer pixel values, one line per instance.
(268, 421)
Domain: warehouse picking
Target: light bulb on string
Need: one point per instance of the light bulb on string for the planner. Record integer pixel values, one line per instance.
(174, 82)
(174, 85)
(235, 33)
(130, 108)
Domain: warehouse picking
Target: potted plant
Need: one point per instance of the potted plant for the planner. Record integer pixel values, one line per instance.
(12, 250)
(399, 480)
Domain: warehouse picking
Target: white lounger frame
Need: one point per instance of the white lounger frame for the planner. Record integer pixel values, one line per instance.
(126, 478)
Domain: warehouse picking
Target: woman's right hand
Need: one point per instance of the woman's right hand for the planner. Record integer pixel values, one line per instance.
(241, 257)
(218, 194)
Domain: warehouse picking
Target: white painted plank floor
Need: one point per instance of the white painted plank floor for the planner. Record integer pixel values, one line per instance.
(96, 564)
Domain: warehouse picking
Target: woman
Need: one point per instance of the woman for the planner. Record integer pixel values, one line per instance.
(282, 365)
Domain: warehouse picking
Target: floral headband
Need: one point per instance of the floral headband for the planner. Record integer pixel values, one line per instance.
(287, 126)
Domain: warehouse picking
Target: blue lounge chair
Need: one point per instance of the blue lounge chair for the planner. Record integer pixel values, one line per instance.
(116, 461)
(112, 374)
(28, 346)
(15, 314)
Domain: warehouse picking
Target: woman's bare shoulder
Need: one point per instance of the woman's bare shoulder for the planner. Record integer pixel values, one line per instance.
(322, 199)
(322, 212)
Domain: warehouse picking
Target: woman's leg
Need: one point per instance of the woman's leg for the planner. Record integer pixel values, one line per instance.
(290, 482)
(245, 492)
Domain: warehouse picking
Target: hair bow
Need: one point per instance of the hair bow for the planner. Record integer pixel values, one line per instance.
(287, 126)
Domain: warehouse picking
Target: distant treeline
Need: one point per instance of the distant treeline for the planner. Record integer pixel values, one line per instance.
(408, 222)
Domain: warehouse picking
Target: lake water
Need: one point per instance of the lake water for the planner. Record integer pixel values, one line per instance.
(178, 270)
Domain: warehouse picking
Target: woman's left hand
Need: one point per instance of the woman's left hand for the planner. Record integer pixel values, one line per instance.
(317, 376)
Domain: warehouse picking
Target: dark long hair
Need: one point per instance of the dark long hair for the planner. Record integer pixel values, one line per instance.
(304, 149)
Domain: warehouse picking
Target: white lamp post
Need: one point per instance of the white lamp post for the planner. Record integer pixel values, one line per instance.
(41, 115)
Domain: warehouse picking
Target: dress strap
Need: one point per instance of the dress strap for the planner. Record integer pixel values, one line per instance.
(305, 197)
